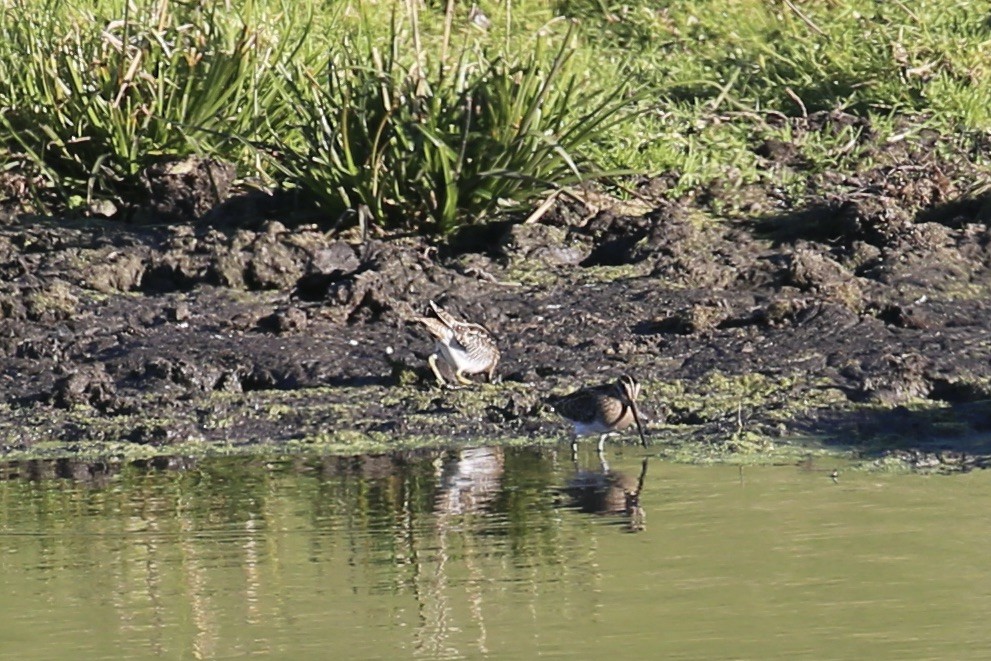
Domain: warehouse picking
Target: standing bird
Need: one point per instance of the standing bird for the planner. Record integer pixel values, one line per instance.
(605, 410)
(466, 348)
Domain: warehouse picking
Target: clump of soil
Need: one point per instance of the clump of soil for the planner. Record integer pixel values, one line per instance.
(188, 188)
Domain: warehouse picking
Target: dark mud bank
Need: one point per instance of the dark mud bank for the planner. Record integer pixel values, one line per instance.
(860, 318)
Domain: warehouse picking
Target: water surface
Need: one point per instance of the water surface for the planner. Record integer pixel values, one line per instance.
(475, 552)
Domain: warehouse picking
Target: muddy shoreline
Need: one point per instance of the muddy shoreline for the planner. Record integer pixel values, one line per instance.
(856, 321)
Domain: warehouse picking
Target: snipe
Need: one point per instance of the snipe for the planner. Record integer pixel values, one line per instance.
(604, 410)
(467, 348)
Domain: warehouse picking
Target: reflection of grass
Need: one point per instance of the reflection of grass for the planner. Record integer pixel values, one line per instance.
(228, 544)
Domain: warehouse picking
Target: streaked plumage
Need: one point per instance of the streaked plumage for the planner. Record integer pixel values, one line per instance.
(467, 348)
(604, 410)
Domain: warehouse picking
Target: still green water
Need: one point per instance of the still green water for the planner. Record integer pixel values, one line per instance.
(471, 554)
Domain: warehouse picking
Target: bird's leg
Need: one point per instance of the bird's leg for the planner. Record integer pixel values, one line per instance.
(432, 361)
(574, 448)
(602, 455)
(638, 519)
(462, 378)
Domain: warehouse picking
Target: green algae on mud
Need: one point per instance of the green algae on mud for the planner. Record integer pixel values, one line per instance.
(740, 419)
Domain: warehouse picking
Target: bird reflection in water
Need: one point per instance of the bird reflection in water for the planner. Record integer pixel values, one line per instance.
(609, 492)
(470, 480)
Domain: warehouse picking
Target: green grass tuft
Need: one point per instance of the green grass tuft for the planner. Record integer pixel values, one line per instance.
(432, 140)
(92, 98)
(418, 118)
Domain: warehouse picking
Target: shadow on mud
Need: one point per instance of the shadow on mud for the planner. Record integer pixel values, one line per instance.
(956, 437)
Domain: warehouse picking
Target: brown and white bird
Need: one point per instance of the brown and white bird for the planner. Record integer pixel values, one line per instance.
(605, 410)
(467, 348)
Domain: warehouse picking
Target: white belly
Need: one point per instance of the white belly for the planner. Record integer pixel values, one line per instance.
(461, 360)
(589, 428)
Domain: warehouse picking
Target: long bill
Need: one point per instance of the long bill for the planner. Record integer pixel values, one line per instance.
(636, 419)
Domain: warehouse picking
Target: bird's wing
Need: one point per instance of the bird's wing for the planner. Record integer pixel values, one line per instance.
(443, 315)
(436, 327)
(581, 406)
